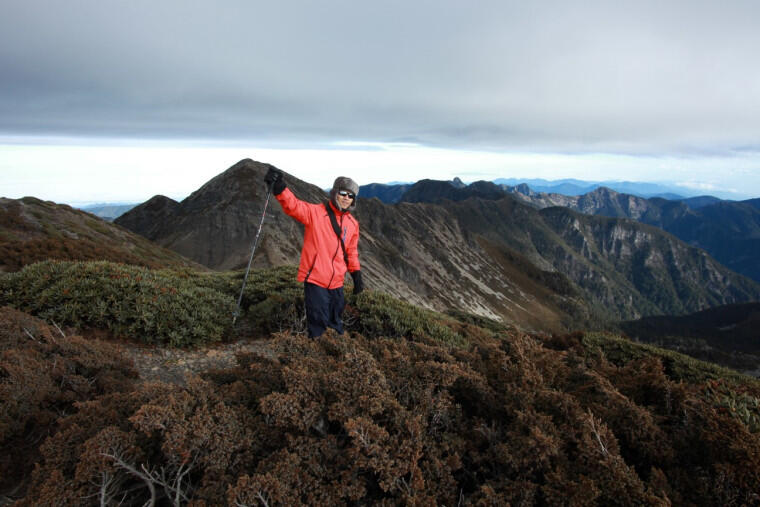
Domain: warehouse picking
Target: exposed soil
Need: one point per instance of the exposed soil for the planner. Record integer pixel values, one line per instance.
(173, 365)
(157, 363)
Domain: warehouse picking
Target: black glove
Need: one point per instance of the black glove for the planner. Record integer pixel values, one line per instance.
(274, 179)
(358, 283)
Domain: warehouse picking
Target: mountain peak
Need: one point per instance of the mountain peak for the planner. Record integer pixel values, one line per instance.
(160, 200)
(604, 191)
(436, 190)
(524, 189)
(147, 216)
(215, 223)
(457, 183)
(242, 181)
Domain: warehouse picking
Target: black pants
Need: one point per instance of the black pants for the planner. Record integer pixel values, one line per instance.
(324, 308)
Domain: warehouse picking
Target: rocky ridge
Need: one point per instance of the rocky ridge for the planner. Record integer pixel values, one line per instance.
(545, 269)
(728, 230)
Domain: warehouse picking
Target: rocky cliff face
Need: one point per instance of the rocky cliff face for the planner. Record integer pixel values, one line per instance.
(729, 231)
(662, 274)
(622, 267)
(550, 269)
(424, 253)
(606, 202)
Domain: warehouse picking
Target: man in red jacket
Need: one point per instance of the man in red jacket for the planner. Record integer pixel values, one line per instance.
(331, 236)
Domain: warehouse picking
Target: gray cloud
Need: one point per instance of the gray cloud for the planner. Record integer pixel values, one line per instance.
(651, 77)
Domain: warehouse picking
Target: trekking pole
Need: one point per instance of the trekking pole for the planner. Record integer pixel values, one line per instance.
(253, 250)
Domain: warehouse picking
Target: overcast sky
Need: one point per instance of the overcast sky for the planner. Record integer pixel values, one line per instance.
(124, 99)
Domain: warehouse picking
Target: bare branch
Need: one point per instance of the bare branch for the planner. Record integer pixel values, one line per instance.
(132, 470)
(263, 500)
(260, 495)
(171, 480)
(59, 330)
(592, 422)
(31, 335)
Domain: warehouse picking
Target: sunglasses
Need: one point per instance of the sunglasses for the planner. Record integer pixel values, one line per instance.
(346, 193)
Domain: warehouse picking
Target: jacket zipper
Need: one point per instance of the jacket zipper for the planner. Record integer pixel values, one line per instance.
(308, 273)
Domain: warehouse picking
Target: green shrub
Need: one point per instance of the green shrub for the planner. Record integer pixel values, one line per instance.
(742, 406)
(186, 307)
(378, 314)
(678, 366)
(479, 321)
(149, 306)
(273, 300)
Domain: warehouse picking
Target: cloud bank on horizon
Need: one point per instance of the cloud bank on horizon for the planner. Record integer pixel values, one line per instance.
(674, 79)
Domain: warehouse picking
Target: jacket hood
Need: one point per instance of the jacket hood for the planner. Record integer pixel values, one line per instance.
(344, 183)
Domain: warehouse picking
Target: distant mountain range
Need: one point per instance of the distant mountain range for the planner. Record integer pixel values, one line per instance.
(574, 187)
(392, 192)
(728, 230)
(108, 211)
(580, 187)
(385, 192)
(477, 248)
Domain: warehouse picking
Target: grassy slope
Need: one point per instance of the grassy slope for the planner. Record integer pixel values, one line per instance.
(32, 230)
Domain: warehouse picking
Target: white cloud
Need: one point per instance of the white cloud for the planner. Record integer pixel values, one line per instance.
(118, 171)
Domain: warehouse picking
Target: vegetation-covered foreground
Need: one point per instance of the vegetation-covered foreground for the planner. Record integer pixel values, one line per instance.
(409, 407)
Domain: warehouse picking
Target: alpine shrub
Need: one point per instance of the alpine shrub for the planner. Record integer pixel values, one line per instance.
(149, 306)
(274, 301)
(43, 375)
(377, 314)
(389, 421)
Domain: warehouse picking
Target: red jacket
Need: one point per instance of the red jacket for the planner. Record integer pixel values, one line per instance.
(322, 261)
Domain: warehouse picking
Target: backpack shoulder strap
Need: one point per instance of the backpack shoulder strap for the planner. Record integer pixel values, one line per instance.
(336, 228)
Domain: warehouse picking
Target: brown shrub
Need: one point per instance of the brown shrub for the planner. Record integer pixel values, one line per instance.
(43, 374)
(351, 420)
(17, 254)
